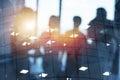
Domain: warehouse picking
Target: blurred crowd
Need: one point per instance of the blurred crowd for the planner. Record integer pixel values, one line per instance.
(55, 46)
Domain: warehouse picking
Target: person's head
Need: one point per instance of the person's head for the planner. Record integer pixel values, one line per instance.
(77, 21)
(54, 22)
(101, 13)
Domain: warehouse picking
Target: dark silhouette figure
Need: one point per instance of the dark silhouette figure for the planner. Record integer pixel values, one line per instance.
(50, 41)
(101, 30)
(75, 40)
(100, 26)
(20, 32)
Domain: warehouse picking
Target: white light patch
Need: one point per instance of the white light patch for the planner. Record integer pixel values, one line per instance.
(17, 34)
(83, 68)
(50, 42)
(53, 41)
(24, 71)
(28, 43)
(50, 51)
(43, 75)
(13, 33)
(73, 35)
(24, 43)
(32, 38)
(64, 44)
(30, 25)
(107, 44)
(31, 52)
(106, 73)
(40, 75)
(50, 30)
(42, 50)
(68, 78)
(89, 41)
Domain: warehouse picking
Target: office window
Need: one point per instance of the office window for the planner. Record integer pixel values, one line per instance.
(86, 9)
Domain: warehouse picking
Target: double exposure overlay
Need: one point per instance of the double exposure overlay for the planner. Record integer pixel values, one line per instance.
(59, 40)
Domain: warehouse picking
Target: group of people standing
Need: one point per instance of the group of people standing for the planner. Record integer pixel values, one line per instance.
(71, 44)
(55, 44)
(73, 41)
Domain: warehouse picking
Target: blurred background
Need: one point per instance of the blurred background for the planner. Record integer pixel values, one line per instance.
(22, 57)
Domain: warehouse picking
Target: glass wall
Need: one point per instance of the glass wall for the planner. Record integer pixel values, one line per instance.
(70, 8)
(92, 60)
(86, 9)
(45, 10)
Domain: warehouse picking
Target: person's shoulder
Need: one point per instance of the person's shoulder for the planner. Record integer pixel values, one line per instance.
(109, 23)
(92, 22)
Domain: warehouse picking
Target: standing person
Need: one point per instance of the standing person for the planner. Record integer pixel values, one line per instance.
(101, 31)
(99, 26)
(50, 41)
(75, 40)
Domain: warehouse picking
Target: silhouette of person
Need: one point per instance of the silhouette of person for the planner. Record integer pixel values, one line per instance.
(21, 33)
(50, 40)
(99, 26)
(101, 30)
(75, 40)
